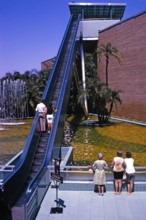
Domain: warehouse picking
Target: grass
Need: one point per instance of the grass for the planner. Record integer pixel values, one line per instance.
(12, 139)
(89, 141)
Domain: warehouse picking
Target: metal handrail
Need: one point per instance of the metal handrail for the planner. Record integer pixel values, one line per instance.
(82, 173)
(84, 169)
(31, 186)
(48, 85)
(4, 168)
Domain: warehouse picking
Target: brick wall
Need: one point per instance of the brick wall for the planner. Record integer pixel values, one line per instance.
(48, 64)
(129, 37)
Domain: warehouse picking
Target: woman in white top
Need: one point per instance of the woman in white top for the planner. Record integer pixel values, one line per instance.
(42, 110)
(130, 172)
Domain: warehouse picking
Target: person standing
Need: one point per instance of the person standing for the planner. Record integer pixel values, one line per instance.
(99, 175)
(130, 172)
(42, 110)
(50, 115)
(118, 165)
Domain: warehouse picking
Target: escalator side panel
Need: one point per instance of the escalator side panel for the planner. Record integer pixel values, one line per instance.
(64, 66)
(15, 183)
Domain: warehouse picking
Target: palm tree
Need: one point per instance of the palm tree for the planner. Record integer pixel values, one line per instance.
(101, 99)
(16, 75)
(106, 51)
(114, 99)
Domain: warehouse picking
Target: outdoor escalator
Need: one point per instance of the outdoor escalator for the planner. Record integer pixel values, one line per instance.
(18, 186)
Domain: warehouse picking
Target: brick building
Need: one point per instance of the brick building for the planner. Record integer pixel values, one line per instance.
(47, 64)
(101, 23)
(129, 37)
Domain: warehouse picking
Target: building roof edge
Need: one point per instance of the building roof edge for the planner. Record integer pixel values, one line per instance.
(125, 20)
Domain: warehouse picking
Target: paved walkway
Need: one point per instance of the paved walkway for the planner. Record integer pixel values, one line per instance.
(87, 205)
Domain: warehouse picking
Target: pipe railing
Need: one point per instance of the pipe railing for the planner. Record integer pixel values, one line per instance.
(81, 173)
(85, 169)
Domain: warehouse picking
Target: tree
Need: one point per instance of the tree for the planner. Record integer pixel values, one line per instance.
(114, 99)
(106, 99)
(101, 99)
(16, 75)
(107, 51)
(35, 82)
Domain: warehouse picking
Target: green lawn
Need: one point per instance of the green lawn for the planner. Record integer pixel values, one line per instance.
(12, 139)
(89, 141)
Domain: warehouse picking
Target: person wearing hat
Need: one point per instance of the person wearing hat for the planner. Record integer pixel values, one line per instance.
(99, 176)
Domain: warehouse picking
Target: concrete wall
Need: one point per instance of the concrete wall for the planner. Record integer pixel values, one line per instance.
(90, 28)
(129, 37)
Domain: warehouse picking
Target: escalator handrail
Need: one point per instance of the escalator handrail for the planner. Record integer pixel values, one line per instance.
(59, 105)
(56, 61)
(57, 114)
(24, 152)
(36, 118)
(46, 89)
(19, 168)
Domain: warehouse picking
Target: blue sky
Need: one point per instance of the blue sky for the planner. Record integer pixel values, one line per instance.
(31, 31)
